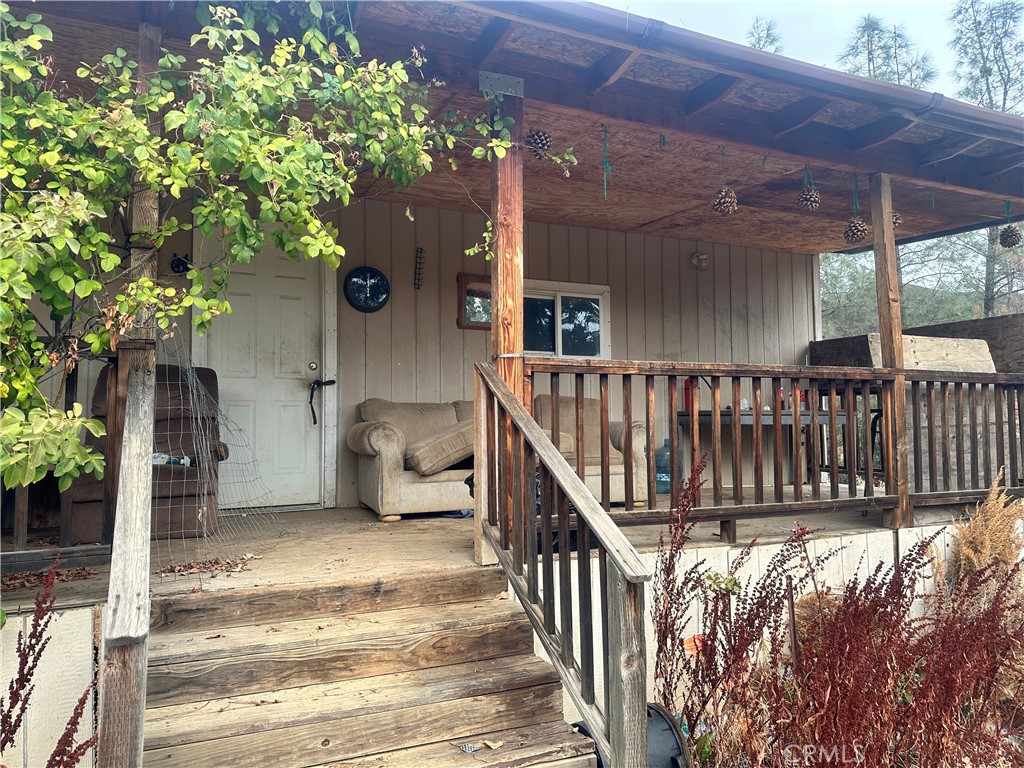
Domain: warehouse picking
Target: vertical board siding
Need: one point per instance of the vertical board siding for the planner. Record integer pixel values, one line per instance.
(749, 305)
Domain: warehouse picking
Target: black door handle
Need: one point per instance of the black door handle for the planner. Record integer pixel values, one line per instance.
(317, 384)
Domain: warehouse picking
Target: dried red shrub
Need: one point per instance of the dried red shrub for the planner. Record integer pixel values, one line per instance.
(30, 649)
(873, 682)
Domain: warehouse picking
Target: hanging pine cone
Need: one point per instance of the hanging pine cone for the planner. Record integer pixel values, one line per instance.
(538, 142)
(1009, 236)
(856, 230)
(896, 219)
(809, 199)
(725, 201)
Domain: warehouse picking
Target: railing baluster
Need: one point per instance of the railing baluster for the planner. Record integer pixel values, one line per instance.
(532, 512)
(586, 610)
(986, 433)
(547, 512)
(933, 454)
(888, 455)
(915, 389)
(850, 396)
(961, 469)
(1020, 425)
(606, 491)
(869, 458)
(518, 511)
(556, 416)
(627, 444)
(716, 439)
(504, 485)
(652, 494)
(564, 577)
(737, 443)
(757, 446)
(602, 574)
(673, 441)
(975, 446)
(581, 458)
(1000, 430)
(814, 437)
(833, 440)
(695, 433)
(797, 437)
(492, 459)
(1011, 419)
(947, 481)
(777, 431)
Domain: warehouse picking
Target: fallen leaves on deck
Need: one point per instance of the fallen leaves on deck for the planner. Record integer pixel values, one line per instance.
(212, 566)
(12, 581)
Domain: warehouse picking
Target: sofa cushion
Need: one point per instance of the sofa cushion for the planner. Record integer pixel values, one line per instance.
(440, 451)
(173, 393)
(567, 423)
(464, 410)
(416, 421)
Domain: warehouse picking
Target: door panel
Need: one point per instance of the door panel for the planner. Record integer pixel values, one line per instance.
(262, 354)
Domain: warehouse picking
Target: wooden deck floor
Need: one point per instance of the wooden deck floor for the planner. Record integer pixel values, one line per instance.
(334, 545)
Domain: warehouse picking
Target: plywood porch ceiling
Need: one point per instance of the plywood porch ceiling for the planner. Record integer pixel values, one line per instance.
(723, 122)
(728, 114)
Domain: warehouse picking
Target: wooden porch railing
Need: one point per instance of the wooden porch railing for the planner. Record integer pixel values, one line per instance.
(525, 490)
(805, 438)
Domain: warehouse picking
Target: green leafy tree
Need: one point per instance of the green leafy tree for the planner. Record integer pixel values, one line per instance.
(763, 34)
(251, 141)
(883, 52)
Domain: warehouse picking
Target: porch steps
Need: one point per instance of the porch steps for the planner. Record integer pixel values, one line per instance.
(395, 672)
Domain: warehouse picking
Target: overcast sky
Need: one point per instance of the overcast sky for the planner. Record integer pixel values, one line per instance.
(814, 32)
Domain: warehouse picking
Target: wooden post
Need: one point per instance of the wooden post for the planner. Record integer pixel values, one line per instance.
(627, 683)
(122, 681)
(483, 553)
(890, 327)
(507, 267)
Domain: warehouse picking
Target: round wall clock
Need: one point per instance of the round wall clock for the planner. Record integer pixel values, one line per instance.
(367, 289)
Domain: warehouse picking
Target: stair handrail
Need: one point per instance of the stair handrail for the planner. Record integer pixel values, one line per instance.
(620, 731)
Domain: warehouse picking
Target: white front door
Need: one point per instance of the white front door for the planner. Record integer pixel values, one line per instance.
(267, 354)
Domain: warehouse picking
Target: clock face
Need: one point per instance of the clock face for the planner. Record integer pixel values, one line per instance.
(367, 289)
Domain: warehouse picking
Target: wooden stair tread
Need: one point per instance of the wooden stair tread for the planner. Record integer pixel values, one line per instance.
(230, 642)
(216, 609)
(366, 657)
(232, 716)
(535, 745)
(348, 738)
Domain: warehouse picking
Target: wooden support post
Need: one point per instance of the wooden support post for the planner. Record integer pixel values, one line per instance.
(890, 326)
(122, 683)
(627, 684)
(507, 267)
(126, 626)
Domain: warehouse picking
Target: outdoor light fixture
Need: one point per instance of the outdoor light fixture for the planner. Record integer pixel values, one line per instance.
(700, 261)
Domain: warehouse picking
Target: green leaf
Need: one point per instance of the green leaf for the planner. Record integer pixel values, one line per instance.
(174, 119)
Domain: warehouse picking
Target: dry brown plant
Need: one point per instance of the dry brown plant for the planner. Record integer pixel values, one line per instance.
(991, 533)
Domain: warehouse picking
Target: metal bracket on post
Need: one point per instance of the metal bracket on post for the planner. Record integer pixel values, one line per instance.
(492, 82)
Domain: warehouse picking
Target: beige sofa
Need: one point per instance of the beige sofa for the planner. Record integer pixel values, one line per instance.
(406, 452)
(592, 445)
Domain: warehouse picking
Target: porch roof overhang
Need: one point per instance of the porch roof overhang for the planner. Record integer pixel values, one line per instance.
(684, 114)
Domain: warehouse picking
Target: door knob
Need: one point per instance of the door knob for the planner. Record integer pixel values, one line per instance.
(313, 366)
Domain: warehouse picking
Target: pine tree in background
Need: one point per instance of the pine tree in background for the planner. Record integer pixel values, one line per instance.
(989, 50)
(763, 34)
(885, 52)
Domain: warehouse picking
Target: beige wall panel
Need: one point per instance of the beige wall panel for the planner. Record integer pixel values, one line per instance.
(662, 308)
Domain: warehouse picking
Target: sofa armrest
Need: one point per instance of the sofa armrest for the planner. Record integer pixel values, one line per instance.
(638, 444)
(376, 438)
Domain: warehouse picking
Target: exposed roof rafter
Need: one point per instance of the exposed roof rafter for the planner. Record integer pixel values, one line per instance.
(491, 41)
(709, 92)
(797, 115)
(609, 69)
(879, 132)
(997, 164)
(940, 150)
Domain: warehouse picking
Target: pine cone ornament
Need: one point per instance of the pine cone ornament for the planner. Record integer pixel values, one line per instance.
(1009, 236)
(538, 142)
(809, 199)
(896, 219)
(725, 201)
(856, 230)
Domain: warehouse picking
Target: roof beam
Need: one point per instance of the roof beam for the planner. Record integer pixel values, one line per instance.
(709, 92)
(879, 132)
(609, 69)
(487, 47)
(796, 115)
(940, 150)
(997, 164)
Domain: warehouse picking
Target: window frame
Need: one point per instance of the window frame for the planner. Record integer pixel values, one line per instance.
(547, 289)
